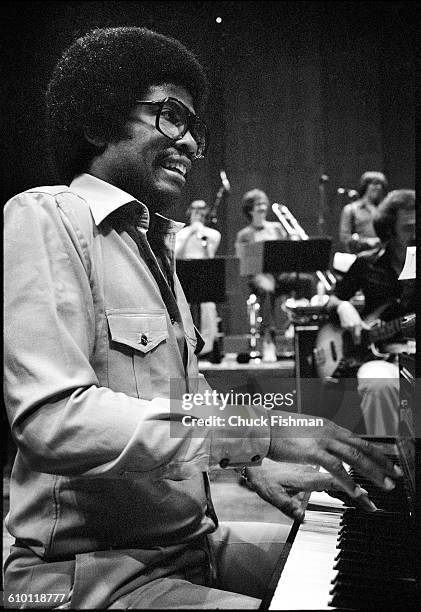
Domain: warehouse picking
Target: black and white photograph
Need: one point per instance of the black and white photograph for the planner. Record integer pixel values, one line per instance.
(209, 305)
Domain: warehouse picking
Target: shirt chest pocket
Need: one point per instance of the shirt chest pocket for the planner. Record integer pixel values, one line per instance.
(138, 350)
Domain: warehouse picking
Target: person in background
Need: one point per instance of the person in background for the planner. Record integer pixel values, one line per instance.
(356, 229)
(266, 286)
(198, 241)
(375, 272)
(110, 496)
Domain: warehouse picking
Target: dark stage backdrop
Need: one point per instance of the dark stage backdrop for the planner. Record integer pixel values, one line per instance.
(298, 90)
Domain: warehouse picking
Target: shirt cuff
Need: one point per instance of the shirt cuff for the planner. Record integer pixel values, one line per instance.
(243, 440)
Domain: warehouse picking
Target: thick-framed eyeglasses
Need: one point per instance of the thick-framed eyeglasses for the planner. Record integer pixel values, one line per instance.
(174, 119)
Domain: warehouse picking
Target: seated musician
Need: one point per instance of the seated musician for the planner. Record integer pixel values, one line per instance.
(198, 241)
(356, 229)
(375, 272)
(266, 286)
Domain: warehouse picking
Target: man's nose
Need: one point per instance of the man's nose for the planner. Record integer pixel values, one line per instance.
(187, 143)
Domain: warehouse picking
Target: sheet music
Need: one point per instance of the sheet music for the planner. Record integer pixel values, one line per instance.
(409, 268)
(343, 261)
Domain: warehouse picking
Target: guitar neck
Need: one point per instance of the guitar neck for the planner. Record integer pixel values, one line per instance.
(388, 329)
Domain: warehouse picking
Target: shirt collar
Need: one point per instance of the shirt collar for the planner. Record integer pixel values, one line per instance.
(260, 228)
(104, 198)
(168, 226)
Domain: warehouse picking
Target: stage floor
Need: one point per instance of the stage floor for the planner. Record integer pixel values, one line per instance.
(229, 363)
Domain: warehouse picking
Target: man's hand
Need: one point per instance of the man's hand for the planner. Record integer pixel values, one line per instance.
(264, 282)
(350, 320)
(357, 244)
(330, 446)
(196, 226)
(283, 484)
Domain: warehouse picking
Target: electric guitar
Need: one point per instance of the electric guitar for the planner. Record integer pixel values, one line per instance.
(335, 352)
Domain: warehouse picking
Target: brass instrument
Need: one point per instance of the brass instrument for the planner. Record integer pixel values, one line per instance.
(296, 232)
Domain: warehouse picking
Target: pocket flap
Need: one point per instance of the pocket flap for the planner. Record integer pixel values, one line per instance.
(142, 331)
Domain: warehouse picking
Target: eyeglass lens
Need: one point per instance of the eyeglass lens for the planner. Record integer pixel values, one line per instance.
(174, 121)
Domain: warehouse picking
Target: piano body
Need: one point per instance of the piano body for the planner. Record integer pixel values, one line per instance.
(342, 557)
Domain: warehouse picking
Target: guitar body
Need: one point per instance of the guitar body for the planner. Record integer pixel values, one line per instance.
(335, 350)
(335, 353)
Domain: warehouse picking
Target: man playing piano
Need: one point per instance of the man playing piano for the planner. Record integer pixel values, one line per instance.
(108, 508)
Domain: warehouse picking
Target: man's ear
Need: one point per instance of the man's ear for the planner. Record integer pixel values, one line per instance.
(100, 143)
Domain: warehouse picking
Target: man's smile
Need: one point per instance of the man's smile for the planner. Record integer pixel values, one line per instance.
(175, 166)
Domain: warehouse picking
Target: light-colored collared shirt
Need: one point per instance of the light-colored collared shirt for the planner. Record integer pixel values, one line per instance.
(356, 228)
(202, 244)
(102, 197)
(95, 384)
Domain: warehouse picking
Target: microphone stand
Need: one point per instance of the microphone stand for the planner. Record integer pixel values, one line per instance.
(216, 353)
(224, 188)
(322, 203)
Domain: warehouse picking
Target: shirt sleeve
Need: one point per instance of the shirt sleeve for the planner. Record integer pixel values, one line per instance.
(281, 231)
(181, 240)
(346, 226)
(243, 434)
(348, 286)
(242, 238)
(63, 421)
(213, 242)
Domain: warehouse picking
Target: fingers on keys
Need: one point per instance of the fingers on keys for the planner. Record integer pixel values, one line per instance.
(289, 505)
(382, 474)
(375, 455)
(368, 458)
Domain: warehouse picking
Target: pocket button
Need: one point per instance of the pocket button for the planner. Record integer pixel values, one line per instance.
(143, 339)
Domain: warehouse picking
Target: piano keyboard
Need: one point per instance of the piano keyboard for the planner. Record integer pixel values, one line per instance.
(352, 559)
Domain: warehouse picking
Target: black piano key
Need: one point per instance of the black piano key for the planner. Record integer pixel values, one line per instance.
(365, 580)
(376, 535)
(399, 589)
(355, 561)
(366, 539)
(357, 602)
(369, 591)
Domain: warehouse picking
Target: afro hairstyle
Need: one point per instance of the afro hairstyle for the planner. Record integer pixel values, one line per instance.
(96, 82)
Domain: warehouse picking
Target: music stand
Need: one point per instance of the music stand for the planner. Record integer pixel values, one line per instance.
(203, 280)
(286, 256)
(277, 256)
